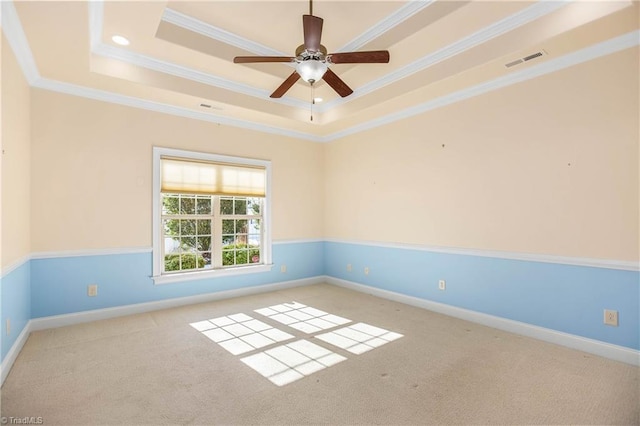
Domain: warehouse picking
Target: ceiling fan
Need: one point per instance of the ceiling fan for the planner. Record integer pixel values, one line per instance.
(312, 60)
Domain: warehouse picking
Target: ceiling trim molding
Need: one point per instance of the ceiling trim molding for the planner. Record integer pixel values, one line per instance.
(187, 22)
(176, 70)
(510, 23)
(16, 38)
(608, 47)
(96, 15)
(391, 21)
(12, 29)
(96, 20)
(535, 11)
(116, 98)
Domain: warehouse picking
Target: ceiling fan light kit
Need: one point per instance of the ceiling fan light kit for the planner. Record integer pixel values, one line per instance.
(311, 70)
(312, 61)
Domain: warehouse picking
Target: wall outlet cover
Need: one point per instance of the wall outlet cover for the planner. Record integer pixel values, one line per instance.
(611, 317)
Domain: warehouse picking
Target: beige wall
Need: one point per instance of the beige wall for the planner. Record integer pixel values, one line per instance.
(92, 164)
(546, 166)
(16, 153)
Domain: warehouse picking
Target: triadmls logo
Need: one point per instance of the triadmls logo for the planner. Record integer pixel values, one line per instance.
(28, 420)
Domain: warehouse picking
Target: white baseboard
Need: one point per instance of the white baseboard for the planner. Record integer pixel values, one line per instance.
(119, 311)
(13, 353)
(596, 347)
(100, 314)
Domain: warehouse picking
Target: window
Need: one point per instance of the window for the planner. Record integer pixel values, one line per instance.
(211, 215)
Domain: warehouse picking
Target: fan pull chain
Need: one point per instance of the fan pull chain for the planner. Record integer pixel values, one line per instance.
(313, 101)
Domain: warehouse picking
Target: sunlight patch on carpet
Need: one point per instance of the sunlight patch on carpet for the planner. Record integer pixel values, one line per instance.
(301, 317)
(283, 364)
(288, 363)
(240, 333)
(359, 338)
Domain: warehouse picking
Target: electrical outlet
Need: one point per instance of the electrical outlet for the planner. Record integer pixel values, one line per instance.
(611, 317)
(8, 326)
(92, 290)
(283, 268)
(366, 270)
(349, 267)
(442, 285)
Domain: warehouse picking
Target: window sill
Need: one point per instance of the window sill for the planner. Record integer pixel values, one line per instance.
(214, 273)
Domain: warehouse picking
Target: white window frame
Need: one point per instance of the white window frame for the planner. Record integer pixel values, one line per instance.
(158, 261)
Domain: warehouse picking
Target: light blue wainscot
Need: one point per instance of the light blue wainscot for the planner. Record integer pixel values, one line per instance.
(59, 284)
(15, 288)
(561, 297)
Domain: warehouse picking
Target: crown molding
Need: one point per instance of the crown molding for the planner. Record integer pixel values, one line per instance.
(96, 19)
(531, 13)
(389, 22)
(180, 71)
(16, 38)
(589, 53)
(510, 23)
(96, 16)
(187, 22)
(116, 98)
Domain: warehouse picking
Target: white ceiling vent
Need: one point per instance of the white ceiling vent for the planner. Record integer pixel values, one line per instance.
(525, 59)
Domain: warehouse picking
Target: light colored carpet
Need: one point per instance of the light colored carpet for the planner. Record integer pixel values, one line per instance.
(155, 368)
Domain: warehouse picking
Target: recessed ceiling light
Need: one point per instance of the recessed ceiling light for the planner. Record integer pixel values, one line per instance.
(317, 100)
(122, 41)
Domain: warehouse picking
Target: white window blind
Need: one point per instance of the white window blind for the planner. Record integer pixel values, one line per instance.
(202, 177)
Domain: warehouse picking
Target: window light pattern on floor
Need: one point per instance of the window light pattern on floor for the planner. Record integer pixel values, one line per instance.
(302, 317)
(359, 338)
(288, 363)
(240, 333)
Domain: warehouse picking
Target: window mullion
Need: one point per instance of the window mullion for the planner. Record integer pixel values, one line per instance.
(216, 237)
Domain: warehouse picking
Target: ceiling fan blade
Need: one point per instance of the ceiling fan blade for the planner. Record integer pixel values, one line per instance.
(286, 85)
(252, 59)
(336, 83)
(371, 57)
(312, 27)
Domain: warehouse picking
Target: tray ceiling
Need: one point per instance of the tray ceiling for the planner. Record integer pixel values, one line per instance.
(179, 59)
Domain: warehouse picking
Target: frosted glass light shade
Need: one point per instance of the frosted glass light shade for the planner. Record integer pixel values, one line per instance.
(311, 70)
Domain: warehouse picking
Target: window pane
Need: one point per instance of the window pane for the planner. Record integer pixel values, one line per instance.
(240, 205)
(171, 245)
(170, 204)
(207, 258)
(228, 226)
(204, 226)
(188, 243)
(226, 206)
(172, 227)
(228, 239)
(228, 258)
(242, 257)
(172, 262)
(187, 204)
(253, 205)
(188, 227)
(191, 261)
(203, 205)
(254, 226)
(254, 255)
(242, 226)
(204, 244)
